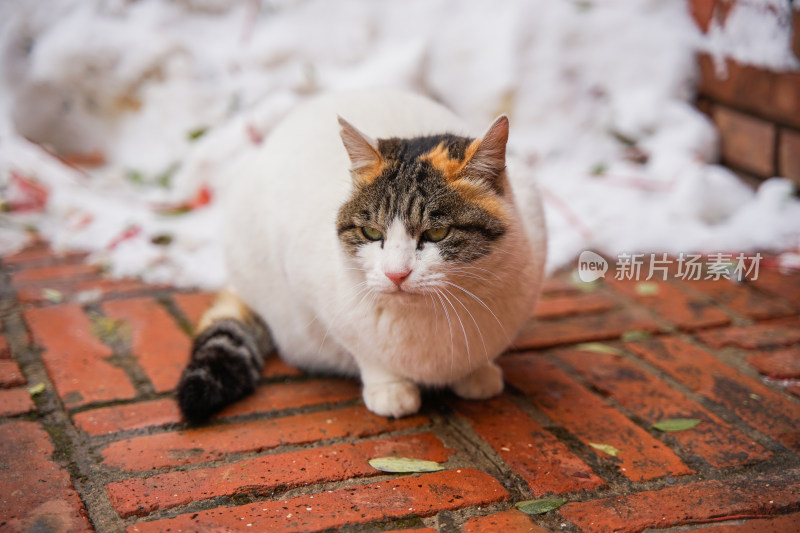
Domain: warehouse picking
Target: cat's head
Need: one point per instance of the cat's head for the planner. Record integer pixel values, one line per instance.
(425, 209)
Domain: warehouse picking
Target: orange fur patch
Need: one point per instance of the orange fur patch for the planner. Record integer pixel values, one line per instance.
(369, 173)
(481, 196)
(451, 168)
(226, 305)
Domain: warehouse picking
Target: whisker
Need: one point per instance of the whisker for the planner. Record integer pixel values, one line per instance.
(477, 327)
(481, 302)
(449, 328)
(461, 323)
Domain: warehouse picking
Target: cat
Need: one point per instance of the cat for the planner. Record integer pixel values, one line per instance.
(396, 254)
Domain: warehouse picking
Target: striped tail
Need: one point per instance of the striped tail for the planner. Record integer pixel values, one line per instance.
(227, 357)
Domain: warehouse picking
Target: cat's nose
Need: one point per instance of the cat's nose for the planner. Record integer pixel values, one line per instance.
(398, 277)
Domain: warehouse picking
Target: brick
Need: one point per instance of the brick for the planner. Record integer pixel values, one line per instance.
(10, 374)
(544, 462)
(41, 254)
(756, 404)
(782, 524)
(781, 364)
(157, 342)
(581, 328)
(105, 420)
(263, 475)
(742, 298)
(783, 286)
(80, 291)
(559, 285)
(794, 390)
(387, 500)
(211, 443)
(5, 352)
(702, 502)
(774, 95)
(274, 367)
(559, 306)
(796, 32)
(757, 336)
(789, 155)
(54, 272)
(75, 360)
(591, 420)
(35, 493)
(674, 305)
(748, 143)
(649, 398)
(15, 402)
(266, 398)
(511, 521)
(194, 304)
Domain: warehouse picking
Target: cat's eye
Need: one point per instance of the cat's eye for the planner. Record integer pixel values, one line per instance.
(371, 233)
(436, 234)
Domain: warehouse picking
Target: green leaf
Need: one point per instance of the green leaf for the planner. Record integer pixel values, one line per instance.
(162, 239)
(109, 330)
(404, 465)
(646, 288)
(605, 448)
(196, 133)
(135, 176)
(635, 335)
(675, 424)
(599, 169)
(52, 295)
(540, 506)
(36, 389)
(597, 347)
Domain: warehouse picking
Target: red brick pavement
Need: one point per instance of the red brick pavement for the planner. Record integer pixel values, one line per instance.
(91, 438)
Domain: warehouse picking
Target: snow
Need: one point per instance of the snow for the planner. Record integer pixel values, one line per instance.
(755, 32)
(174, 95)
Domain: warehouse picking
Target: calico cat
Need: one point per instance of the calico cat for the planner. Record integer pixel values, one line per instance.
(397, 254)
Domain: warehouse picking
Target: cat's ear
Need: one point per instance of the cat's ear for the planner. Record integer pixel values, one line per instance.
(488, 161)
(365, 158)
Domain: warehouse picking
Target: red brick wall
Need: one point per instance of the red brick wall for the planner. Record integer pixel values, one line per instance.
(757, 111)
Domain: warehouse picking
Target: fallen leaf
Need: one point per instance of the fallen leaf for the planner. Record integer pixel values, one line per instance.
(597, 347)
(540, 506)
(195, 134)
(605, 448)
(675, 424)
(202, 197)
(52, 295)
(26, 194)
(162, 239)
(635, 335)
(646, 288)
(404, 465)
(36, 389)
(107, 329)
(128, 233)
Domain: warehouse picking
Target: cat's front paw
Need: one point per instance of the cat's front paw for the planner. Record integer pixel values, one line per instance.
(396, 399)
(485, 382)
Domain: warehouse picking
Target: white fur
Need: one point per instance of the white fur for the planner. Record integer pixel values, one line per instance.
(330, 312)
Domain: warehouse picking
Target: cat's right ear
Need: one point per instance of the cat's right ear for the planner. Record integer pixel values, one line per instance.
(365, 158)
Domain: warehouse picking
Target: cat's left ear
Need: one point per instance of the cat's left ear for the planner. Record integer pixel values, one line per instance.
(488, 161)
(365, 158)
